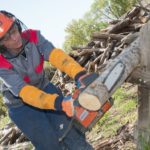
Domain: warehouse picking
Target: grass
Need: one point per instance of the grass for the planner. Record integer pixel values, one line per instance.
(3, 121)
(144, 143)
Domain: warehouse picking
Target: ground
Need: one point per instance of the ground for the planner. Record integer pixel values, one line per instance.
(116, 130)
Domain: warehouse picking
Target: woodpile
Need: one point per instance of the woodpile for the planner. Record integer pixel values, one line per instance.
(104, 45)
(107, 43)
(10, 134)
(110, 42)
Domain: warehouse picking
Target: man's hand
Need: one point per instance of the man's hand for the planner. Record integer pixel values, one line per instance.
(67, 105)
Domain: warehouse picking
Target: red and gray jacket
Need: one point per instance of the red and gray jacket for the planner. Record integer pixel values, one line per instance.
(16, 71)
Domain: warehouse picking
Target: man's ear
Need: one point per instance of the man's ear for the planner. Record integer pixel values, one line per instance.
(2, 48)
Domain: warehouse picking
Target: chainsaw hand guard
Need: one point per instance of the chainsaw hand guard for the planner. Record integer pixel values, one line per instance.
(86, 80)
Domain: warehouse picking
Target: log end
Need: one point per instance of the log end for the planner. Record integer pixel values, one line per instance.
(89, 102)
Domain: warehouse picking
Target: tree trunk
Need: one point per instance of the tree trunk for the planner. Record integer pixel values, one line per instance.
(144, 91)
(143, 118)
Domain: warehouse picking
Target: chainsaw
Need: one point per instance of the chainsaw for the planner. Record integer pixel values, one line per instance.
(88, 109)
(93, 100)
(86, 115)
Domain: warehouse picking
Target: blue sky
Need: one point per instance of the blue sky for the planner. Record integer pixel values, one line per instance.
(49, 16)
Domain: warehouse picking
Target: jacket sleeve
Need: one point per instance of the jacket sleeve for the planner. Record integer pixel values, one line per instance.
(44, 46)
(58, 58)
(29, 94)
(11, 80)
(65, 63)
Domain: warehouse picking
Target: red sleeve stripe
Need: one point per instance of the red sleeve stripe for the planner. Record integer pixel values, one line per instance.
(39, 68)
(30, 35)
(4, 63)
(26, 79)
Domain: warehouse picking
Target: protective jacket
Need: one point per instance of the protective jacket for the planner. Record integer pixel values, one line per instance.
(22, 75)
(26, 68)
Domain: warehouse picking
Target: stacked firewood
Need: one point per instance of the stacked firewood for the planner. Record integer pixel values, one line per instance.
(109, 42)
(10, 134)
(104, 46)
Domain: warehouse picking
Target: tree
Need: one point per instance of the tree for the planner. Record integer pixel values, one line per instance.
(101, 11)
(111, 9)
(79, 32)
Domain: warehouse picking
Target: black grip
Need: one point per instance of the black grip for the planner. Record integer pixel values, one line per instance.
(89, 78)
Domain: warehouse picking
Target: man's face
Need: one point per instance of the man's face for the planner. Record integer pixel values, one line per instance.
(12, 39)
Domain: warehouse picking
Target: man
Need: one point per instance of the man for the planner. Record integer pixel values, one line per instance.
(36, 106)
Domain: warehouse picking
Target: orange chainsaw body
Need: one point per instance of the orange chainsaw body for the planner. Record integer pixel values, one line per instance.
(84, 119)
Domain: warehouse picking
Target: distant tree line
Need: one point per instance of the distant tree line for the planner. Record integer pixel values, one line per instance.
(78, 32)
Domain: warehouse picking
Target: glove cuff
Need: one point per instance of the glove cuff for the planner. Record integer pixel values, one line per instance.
(58, 103)
(78, 75)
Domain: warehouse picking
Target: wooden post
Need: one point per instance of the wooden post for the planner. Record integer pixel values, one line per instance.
(143, 118)
(144, 91)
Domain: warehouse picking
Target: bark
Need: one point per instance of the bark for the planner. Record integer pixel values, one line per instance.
(98, 36)
(120, 25)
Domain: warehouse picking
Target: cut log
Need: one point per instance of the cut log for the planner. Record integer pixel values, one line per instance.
(90, 102)
(134, 12)
(98, 35)
(120, 25)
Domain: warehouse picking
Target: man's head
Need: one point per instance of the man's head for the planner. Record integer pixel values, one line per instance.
(10, 29)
